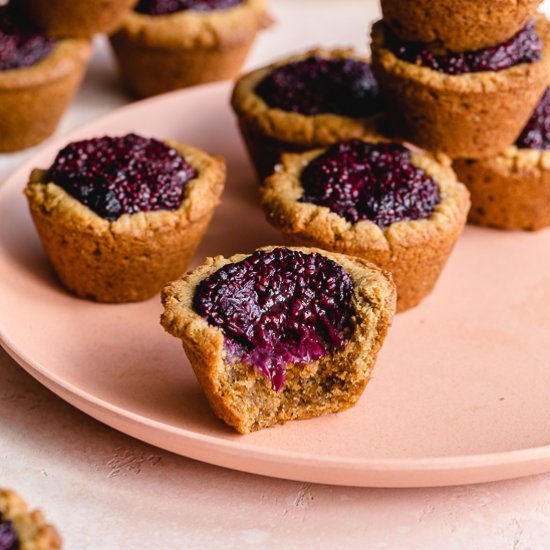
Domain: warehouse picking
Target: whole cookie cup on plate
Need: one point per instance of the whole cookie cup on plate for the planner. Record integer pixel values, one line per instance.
(467, 105)
(80, 18)
(281, 334)
(397, 207)
(305, 101)
(458, 25)
(511, 190)
(22, 529)
(120, 217)
(164, 45)
(38, 78)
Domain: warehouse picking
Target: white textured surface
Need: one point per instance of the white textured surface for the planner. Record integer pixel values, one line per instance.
(106, 490)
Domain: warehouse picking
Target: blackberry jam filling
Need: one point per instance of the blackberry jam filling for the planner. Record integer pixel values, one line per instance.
(20, 45)
(523, 47)
(122, 175)
(278, 307)
(165, 7)
(8, 538)
(316, 85)
(370, 181)
(536, 134)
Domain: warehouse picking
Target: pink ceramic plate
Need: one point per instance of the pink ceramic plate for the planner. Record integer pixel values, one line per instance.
(461, 388)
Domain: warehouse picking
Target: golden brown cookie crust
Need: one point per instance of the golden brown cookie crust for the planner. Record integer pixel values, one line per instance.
(32, 99)
(458, 25)
(131, 258)
(241, 396)
(510, 190)
(161, 53)
(33, 533)
(473, 115)
(415, 252)
(77, 18)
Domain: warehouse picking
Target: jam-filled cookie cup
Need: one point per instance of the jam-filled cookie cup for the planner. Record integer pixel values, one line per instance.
(239, 393)
(133, 257)
(25, 529)
(414, 251)
(160, 53)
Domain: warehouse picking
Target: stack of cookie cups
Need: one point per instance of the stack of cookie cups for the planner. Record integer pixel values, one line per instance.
(465, 82)
(467, 103)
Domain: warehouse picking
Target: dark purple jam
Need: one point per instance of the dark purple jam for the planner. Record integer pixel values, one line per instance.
(370, 181)
(523, 47)
(122, 175)
(165, 7)
(278, 307)
(20, 45)
(8, 537)
(316, 85)
(536, 134)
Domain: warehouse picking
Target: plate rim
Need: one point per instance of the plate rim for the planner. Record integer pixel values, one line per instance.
(388, 468)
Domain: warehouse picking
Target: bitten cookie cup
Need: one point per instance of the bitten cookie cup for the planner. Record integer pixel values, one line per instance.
(33, 98)
(510, 190)
(132, 258)
(77, 18)
(268, 132)
(472, 115)
(29, 527)
(414, 252)
(241, 396)
(458, 25)
(161, 53)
